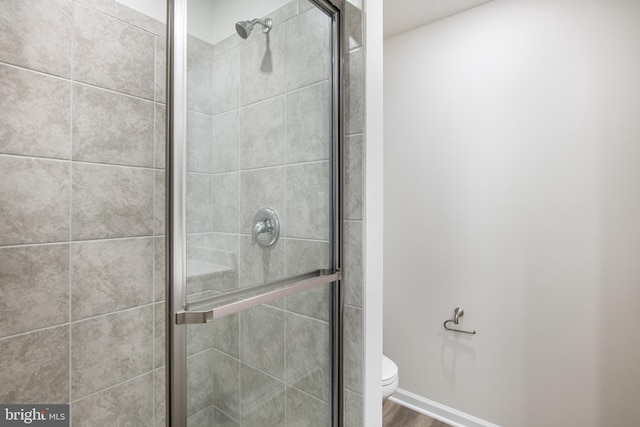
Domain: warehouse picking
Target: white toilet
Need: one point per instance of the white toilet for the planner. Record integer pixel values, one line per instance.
(389, 377)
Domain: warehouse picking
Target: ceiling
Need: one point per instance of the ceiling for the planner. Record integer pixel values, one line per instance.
(404, 15)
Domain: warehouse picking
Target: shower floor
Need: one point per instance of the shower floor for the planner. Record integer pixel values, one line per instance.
(394, 415)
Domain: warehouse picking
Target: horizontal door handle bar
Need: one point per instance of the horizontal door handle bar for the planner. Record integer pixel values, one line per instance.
(287, 287)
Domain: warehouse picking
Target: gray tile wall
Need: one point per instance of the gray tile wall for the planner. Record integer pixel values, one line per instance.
(354, 337)
(266, 142)
(82, 190)
(81, 245)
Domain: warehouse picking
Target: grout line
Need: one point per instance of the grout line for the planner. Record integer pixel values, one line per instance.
(28, 245)
(72, 81)
(47, 328)
(113, 91)
(34, 71)
(117, 18)
(309, 162)
(72, 242)
(79, 162)
(112, 313)
(308, 395)
(44, 159)
(112, 386)
(227, 415)
(309, 85)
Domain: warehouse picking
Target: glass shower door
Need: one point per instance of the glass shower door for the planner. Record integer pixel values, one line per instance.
(254, 251)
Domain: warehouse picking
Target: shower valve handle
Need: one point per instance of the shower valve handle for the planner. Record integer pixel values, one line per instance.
(265, 221)
(265, 226)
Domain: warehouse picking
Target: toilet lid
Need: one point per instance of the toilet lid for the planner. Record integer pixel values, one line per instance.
(389, 370)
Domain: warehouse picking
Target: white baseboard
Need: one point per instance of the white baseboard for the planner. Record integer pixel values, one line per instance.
(437, 411)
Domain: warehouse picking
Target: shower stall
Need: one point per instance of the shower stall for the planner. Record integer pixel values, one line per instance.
(254, 236)
(181, 204)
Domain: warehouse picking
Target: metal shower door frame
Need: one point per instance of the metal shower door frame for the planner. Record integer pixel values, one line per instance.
(176, 334)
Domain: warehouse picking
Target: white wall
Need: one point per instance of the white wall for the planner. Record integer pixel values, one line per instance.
(512, 189)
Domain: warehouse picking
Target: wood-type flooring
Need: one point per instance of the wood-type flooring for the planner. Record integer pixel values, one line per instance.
(394, 415)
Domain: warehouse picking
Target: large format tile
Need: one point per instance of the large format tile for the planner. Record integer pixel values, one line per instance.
(304, 410)
(128, 404)
(159, 262)
(225, 332)
(262, 339)
(159, 203)
(309, 132)
(304, 5)
(220, 419)
(110, 275)
(199, 46)
(111, 54)
(36, 34)
(199, 382)
(199, 83)
(201, 419)
(262, 134)
(140, 20)
(159, 398)
(106, 6)
(354, 177)
(160, 64)
(160, 131)
(308, 201)
(226, 384)
(199, 142)
(35, 367)
(112, 128)
(353, 349)
(225, 199)
(309, 356)
(283, 13)
(199, 218)
(353, 27)
(35, 200)
(353, 266)
(263, 66)
(308, 49)
(262, 399)
(260, 265)
(36, 114)
(226, 138)
(305, 256)
(353, 409)
(226, 82)
(111, 201)
(258, 189)
(110, 349)
(230, 42)
(159, 337)
(315, 302)
(354, 114)
(199, 338)
(34, 281)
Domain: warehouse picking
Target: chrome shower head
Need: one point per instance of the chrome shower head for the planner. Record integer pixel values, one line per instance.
(244, 28)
